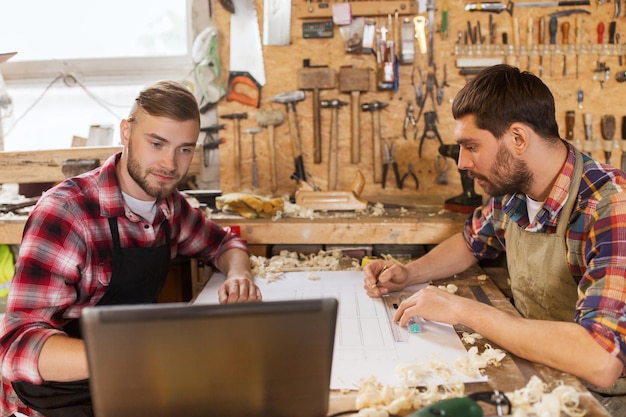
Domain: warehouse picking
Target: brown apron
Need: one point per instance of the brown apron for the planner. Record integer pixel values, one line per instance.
(542, 285)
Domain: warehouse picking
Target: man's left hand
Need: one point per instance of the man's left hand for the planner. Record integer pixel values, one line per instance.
(238, 290)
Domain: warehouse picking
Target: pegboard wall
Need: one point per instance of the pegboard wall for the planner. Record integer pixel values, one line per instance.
(589, 85)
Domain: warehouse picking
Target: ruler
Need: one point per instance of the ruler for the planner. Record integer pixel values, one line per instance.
(391, 301)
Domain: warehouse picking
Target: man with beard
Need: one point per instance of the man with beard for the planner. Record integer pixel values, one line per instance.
(559, 215)
(107, 237)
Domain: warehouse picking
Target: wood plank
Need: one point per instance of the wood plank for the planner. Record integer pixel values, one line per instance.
(309, 10)
(45, 165)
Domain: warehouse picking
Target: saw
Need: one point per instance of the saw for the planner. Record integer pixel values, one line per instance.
(247, 71)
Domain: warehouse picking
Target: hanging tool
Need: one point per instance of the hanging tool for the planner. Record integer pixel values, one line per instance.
(431, 85)
(409, 173)
(375, 107)
(531, 48)
(270, 118)
(441, 170)
(623, 164)
(420, 33)
(430, 8)
(565, 33)
(289, 100)
(467, 201)
(247, 71)
(443, 84)
(390, 160)
(570, 117)
(430, 129)
(354, 81)
(255, 170)
(498, 7)
(333, 149)
(553, 26)
(443, 29)
(542, 43)
(276, 22)
(409, 120)
(316, 78)
(210, 142)
(579, 30)
(607, 127)
(516, 42)
(588, 148)
(236, 117)
(419, 95)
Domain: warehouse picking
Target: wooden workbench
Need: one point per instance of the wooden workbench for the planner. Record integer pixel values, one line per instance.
(513, 372)
(423, 225)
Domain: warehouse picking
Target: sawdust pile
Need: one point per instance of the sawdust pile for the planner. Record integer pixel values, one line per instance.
(275, 267)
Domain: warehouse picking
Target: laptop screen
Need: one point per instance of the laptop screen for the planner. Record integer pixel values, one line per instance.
(251, 359)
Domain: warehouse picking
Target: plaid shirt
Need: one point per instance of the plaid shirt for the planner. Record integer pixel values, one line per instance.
(65, 262)
(595, 239)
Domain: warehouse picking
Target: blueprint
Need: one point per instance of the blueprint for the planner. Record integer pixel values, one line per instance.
(367, 342)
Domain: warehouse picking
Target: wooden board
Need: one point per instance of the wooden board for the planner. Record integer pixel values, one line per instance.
(45, 165)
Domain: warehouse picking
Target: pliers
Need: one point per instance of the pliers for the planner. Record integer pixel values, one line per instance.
(409, 119)
(389, 160)
(410, 172)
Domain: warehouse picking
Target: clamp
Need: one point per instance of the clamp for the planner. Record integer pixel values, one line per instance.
(430, 130)
(389, 160)
(409, 118)
(410, 172)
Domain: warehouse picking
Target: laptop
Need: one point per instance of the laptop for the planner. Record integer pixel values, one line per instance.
(250, 359)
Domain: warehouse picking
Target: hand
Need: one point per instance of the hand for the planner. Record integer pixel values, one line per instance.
(432, 303)
(238, 290)
(383, 277)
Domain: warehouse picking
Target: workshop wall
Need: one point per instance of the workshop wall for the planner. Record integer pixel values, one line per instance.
(282, 63)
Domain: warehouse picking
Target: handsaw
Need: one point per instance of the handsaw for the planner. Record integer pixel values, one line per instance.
(247, 70)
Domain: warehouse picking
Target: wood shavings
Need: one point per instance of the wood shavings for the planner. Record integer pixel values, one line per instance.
(482, 277)
(475, 362)
(470, 338)
(376, 210)
(313, 276)
(275, 267)
(535, 399)
(451, 288)
(294, 210)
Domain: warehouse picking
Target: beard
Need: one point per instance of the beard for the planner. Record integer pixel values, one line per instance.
(141, 177)
(507, 175)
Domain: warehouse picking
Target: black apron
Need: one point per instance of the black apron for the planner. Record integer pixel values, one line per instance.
(137, 278)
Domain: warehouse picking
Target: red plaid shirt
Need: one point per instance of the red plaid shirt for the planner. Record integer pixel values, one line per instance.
(65, 262)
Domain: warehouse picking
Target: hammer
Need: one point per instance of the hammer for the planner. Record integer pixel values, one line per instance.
(290, 99)
(335, 105)
(236, 117)
(375, 107)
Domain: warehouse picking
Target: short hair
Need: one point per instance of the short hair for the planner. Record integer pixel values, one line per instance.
(167, 99)
(501, 95)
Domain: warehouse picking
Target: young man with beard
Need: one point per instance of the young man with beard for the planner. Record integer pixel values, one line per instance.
(559, 215)
(106, 237)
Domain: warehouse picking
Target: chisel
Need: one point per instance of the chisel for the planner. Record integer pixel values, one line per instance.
(607, 126)
(565, 32)
(588, 133)
(553, 28)
(570, 117)
(623, 165)
(542, 43)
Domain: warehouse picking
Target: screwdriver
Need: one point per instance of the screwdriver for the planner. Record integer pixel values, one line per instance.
(578, 35)
(570, 117)
(553, 28)
(529, 42)
(542, 42)
(588, 133)
(565, 32)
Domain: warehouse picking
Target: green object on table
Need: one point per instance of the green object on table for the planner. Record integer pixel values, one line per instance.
(454, 407)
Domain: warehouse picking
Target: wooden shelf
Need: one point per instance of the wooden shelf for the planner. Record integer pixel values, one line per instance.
(359, 8)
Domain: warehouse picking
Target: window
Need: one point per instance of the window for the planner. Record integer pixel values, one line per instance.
(81, 63)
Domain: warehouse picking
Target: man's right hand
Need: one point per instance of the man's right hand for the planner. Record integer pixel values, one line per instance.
(382, 277)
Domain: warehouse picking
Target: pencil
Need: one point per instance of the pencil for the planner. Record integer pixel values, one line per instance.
(385, 267)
